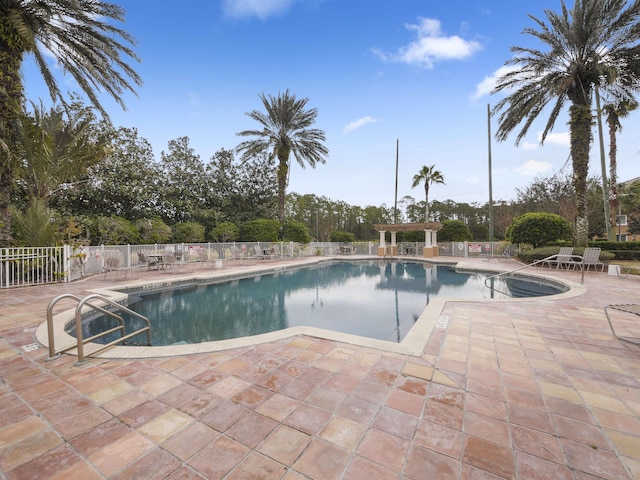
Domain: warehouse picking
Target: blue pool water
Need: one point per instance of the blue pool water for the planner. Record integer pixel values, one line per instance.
(375, 299)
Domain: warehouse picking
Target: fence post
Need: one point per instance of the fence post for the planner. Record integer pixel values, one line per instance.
(66, 261)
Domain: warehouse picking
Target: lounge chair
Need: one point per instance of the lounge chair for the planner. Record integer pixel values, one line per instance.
(590, 258)
(563, 259)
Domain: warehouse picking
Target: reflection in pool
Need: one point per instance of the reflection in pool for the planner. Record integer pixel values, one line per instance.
(376, 299)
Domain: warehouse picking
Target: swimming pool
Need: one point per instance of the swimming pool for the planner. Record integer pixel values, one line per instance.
(373, 298)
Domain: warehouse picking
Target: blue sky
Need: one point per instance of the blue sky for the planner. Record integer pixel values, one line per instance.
(378, 71)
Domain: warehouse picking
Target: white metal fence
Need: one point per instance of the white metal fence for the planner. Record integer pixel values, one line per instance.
(24, 266)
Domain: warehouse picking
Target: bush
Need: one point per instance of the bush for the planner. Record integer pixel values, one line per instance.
(189, 232)
(115, 230)
(535, 254)
(153, 230)
(224, 232)
(260, 230)
(296, 232)
(539, 229)
(454, 231)
(343, 237)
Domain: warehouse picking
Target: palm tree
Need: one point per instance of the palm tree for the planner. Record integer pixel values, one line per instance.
(614, 112)
(428, 175)
(78, 34)
(285, 131)
(593, 44)
(57, 148)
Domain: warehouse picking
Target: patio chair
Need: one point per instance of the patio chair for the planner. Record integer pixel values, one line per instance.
(590, 258)
(203, 258)
(562, 259)
(169, 261)
(114, 264)
(144, 261)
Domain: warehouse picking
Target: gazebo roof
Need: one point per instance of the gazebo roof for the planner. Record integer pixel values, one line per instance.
(407, 227)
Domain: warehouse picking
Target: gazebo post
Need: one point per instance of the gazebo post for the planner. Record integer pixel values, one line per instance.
(394, 247)
(382, 249)
(427, 251)
(434, 241)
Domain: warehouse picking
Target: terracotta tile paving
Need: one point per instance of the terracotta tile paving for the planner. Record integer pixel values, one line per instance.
(509, 390)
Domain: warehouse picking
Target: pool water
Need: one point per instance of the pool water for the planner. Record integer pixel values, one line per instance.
(376, 299)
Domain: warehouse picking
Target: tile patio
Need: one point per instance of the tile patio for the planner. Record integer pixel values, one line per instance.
(507, 390)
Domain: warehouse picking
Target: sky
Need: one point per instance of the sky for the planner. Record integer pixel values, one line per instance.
(405, 80)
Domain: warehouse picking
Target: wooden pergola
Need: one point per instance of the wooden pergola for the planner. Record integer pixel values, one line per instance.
(430, 242)
(408, 227)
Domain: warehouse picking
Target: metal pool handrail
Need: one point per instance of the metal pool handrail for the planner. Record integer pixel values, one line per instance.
(499, 274)
(53, 354)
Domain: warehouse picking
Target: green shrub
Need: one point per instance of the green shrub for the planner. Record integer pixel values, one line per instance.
(539, 229)
(224, 232)
(34, 227)
(343, 237)
(115, 230)
(296, 232)
(153, 230)
(454, 231)
(260, 230)
(188, 232)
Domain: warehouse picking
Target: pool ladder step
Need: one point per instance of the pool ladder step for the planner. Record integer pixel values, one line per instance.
(86, 301)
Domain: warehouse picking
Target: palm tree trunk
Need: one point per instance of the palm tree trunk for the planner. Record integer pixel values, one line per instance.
(11, 94)
(426, 201)
(613, 168)
(580, 132)
(282, 174)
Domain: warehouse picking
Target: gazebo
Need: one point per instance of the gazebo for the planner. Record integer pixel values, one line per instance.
(430, 237)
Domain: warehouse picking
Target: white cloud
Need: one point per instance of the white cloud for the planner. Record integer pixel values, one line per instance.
(350, 127)
(431, 46)
(532, 168)
(561, 139)
(489, 82)
(262, 9)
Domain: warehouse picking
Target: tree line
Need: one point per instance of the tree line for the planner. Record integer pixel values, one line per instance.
(63, 159)
(82, 180)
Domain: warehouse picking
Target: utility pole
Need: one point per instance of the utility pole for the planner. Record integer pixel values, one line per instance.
(490, 174)
(603, 164)
(395, 203)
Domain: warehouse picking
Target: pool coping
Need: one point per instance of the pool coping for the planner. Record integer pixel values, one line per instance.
(413, 343)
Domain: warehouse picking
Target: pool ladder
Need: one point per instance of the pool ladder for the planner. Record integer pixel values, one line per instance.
(53, 354)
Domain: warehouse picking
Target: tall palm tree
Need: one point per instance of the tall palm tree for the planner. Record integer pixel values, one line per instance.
(84, 43)
(285, 130)
(593, 44)
(428, 175)
(614, 112)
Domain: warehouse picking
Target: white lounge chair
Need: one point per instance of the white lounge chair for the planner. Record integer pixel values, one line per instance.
(591, 258)
(563, 259)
